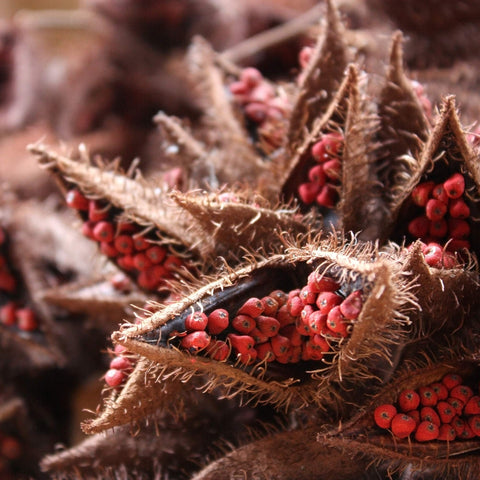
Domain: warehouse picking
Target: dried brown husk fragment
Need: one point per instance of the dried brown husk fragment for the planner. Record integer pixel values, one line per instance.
(321, 79)
(445, 152)
(370, 352)
(403, 126)
(455, 459)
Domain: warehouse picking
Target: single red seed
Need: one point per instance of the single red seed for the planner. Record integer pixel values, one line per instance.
(435, 209)
(307, 296)
(218, 350)
(472, 407)
(126, 262)
(280, 344)
(75, 199)
(196, 321)
(419, 227)
(446, 412)
(87, 229)
(456, 404)
(467, 433)
(474, 424)
(302, 328)
(317, 175)
(140, 243)
(265, 352)
(284, 317)
(251, 77)
(421, 193)
(312, 351)
(336, 321)
(430, 415)
(308, 192)
(320, 341)
(441, 390)
(295, 306)
(327, 300)
(268, 325)
(146, 280)
(10, 448)
(293, 293)
(439, 193)
(433, 254)
(243, 323)
(258, 336)
(352, 305)
(252, 307)
(458, 425)
(451, 380)
(317, 321)
(426, 432)
(318, 282)
(438, 228)
(446, 433)
(458, 209)
(428, 397)
(402, 425)
(7, 314)
(124, 244)
(458, 228)
(97, 213)
(108, 249)
(383, 415)
(121, 363)
(119, 349)
(103, 232)
(218, 321)
(408, 400)
(141, 261)
(462, 392)
(256, 111)
(173, 262)
(195, 341)
(455, 186)
(327, 196)
(247, 358)
(306, 312)
(280, 296)
(241, 343)
(26, 319)
(270, 306)
(415, 414)
(7, 282)
(126, 227)
(114, 377)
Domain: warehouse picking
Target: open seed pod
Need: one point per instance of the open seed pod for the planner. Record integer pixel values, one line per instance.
(437, 202)
(297, 328)
(423, 420)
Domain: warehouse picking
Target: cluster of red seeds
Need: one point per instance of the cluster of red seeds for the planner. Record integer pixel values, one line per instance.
(301, 325)
(11, 314)
(258, 98)
(443, 221)
(324, 176)
(123, 242)
(446, 410)
(10, 450)
(120, 367)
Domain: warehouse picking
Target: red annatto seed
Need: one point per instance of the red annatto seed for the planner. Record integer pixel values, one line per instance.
(415, 414)
(238, 88)
(439, 193)
(124, 244)
(474, 424)
(317, 321)
(451, 380)
(10, 448)
(7, 314)
(304, 56)
(433, 255)
(428, 397)
(265, 352)
(458, 209)
(456, 404)
(445, 411)
(332, 143)
(75, 199)
(269, 326)
(114, 377)
(280, 297)
(218, 350)
(438, 228)
(456, 245)
(258, 336)
(141, 261)
(196, 321)
(472, 407)
(454, 186)
(173, 263)
(108, 249)
(312, 351)
(103, 232)
(295, 306)
(87, 229)
(308, 192)
(306, 312)
(121, 363)
(419, 227)
(317, 175)
(284, 317)
(293, 293)
(408, 400)
(430, 415)
(327, 197)
(96, 212)
(119, 349)
(402, 425)
(7, 282)
(435, 209)
(147, 280)
(26, 319)
(426, 432)
(467, 433)
(332, 169)
(383, 415)
(126, 227)
(318, 282)
(421, 193)
(336, 321)
(292, 334)
(319, 152)
(352, 305)
(458, 228)
(243, 323)
(441, 390)
(241, 343)
(302, 328)
(195, 341)
(446, 433)
(252, 307)
(458, 425)
(327, 300)
(251, 77)
(462, 392)
(307, 296)
(270, 306)
(218, 321)
(256, 111)
(140, 243)
(280, 344)
(320, 341)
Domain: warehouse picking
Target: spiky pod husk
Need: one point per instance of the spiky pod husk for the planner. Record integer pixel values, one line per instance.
(370, 352)
(436, 459)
